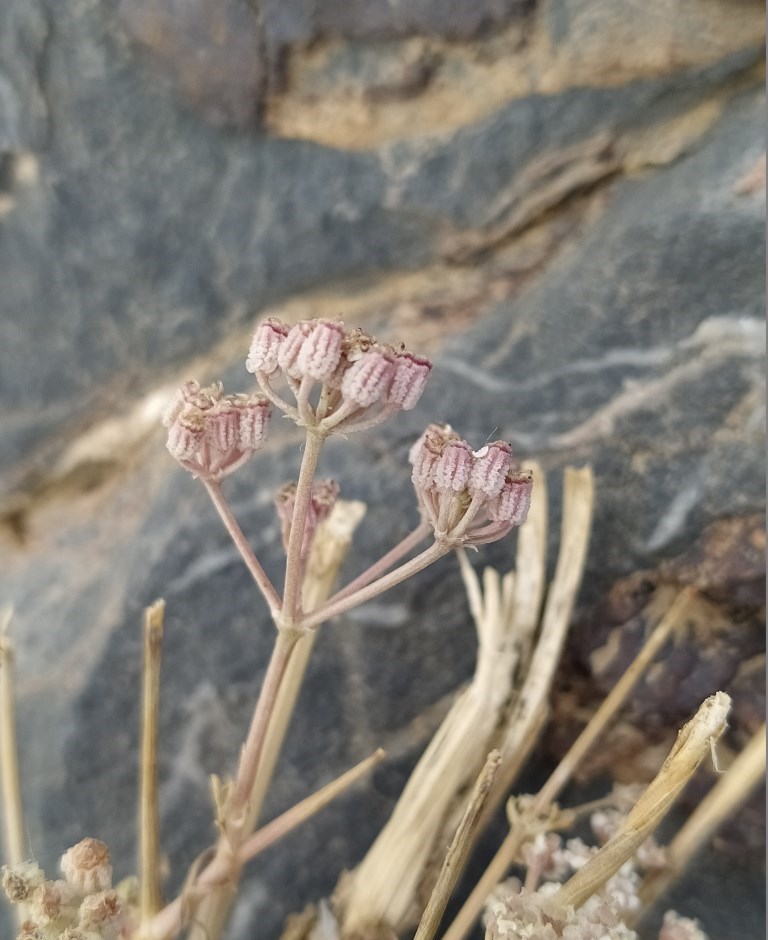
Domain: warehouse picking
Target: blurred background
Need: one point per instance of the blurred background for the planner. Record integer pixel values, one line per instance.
(560, 201)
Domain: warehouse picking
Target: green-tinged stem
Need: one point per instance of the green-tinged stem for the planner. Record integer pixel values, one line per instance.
(241, 542)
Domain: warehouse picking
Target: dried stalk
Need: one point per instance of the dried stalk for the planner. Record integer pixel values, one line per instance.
(694, 743)
(385, 887)
(150, 897)
(510, 847)
(329, 549)
(211, 879)
(13, 814)
(458, 852)
(731, 790)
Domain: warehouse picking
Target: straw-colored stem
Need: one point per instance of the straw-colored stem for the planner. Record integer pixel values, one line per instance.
(10, 786)
(458, 852)
(694, 743)
(304, 810)
(612, 703)
(722, 801)
(173, 917)
(241, 543)
(150, 898)
(293, 564)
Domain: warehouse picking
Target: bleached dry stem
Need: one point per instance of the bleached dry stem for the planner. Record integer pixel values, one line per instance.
(150, 899)
(458, 852)
(722, 801)
(694, 743)
(13, 815)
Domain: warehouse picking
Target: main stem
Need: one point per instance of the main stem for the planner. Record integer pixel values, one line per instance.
(293, 564)
(254, 743)
(241, 542)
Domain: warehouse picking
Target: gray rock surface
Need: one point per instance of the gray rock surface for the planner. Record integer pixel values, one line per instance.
(586, 264)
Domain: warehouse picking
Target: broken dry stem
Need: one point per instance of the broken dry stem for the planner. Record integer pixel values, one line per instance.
(10, 787)
(694, 743)
(217, 873)
(150, 900)
(241, 543)
(458, 852)
(723, 800)
(612, 703)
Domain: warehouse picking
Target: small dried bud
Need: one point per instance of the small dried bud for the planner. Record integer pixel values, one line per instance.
(186, 433)
(223, 426)
(265, 346)
(104, 912)
(369, 379)
(182, 396)
(427, 451)
(408, 381)
(19, 881)
(290, 349)
(321, 350)
(514, 500)
(255, 414)
(86, 866)
(52, 901)
(490, 469)
(322, 500)
(453, 469)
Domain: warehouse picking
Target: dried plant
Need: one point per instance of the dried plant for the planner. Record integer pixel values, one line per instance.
(331, 380)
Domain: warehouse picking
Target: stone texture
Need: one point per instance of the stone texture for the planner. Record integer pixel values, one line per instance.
(584, 262)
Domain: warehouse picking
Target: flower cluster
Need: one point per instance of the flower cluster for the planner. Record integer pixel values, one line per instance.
(342, 379)
(212, 434)
(82, 906)
(468, 497)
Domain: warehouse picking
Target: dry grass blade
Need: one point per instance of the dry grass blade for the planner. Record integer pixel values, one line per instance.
(150, 897)
(730, 791)
(694, 743)
(458, 852)
(13, 815)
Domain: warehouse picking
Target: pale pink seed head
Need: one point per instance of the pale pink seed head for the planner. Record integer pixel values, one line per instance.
(409, 379)
(323, 498)
(320, 353)
(490, 469)
(103, 912)
(181, 397)
(265, 346)
(290, 349)
(453, 468)
(368, 380)
(186, 433)
(255, 415)
(514, 500)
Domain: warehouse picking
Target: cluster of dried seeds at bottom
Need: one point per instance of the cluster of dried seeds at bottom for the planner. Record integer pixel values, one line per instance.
(81, 906)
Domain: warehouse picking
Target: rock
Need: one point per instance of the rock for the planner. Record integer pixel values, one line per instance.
(585, 264)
